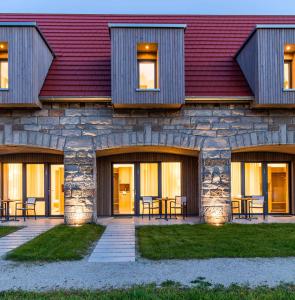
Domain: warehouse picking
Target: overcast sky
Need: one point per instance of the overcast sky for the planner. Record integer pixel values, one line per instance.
(150, 6)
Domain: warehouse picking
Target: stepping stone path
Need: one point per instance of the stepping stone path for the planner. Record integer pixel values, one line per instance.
(117, 243)
(19, 237)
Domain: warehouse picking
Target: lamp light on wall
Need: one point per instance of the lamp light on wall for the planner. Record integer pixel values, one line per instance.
(216, 215)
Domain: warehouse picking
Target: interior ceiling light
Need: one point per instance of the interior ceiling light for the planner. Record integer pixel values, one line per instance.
(288, 48)
(147, 47)
(1, 46)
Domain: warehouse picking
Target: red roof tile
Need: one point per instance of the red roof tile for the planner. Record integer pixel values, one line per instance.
(82, 66)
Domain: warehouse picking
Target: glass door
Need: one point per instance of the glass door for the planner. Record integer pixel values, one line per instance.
(56, 190)
(278, 187)
(123, 189)
(35, 187)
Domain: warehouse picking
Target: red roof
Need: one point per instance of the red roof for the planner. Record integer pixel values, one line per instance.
(82, 66)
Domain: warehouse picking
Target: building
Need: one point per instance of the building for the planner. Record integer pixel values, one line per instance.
(100, 110)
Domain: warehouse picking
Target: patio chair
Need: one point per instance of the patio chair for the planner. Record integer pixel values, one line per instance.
(235, 204)
(257, 203)
(2, 210)
(149, 203)
(179, 203)
(29, 205)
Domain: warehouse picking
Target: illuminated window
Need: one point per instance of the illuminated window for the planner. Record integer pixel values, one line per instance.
(147, 58)
(289, 52)
(3, 65)
(253, 179)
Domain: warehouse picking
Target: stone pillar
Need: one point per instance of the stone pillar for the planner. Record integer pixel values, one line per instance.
(80, 180)
(215, 183)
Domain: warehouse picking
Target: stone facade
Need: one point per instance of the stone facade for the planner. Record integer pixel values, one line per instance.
(81, 130)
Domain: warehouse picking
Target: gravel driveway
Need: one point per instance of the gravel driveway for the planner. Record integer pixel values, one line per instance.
(85, 275)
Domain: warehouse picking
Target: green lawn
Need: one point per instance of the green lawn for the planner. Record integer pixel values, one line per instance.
(207, 241)
(4, 230)
(171, 293)
(60, 243)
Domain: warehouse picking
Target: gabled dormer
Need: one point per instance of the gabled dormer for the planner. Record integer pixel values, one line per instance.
(147, 65)
(25, 58)
(267, 62)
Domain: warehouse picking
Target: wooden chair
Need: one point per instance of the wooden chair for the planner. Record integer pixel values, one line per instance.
(149, 203)
(235, 204)
(179, 203)
(2, 210)
(257, 203)
(29, 205)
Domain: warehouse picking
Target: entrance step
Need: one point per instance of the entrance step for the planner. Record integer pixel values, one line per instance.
(117, 243)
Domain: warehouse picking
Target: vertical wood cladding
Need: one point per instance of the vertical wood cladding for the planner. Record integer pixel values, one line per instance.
(262, 62)
(29, 60)
(170, 66)
(189, 177)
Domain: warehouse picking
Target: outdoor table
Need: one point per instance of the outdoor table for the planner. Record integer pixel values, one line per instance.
(244, 206)
(7, 211)
(165, 201)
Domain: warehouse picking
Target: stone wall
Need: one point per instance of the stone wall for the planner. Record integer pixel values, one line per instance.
(79, 130)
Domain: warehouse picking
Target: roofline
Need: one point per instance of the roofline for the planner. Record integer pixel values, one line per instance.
(28, 24)
(275, 26)
(264, 26)
(146, 25)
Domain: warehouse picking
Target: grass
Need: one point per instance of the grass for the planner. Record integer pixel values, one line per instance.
(4, 230)
(58, 244)
(207, 241)
(170, 292)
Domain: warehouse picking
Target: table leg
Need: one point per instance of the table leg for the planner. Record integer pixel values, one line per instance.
(166, 210)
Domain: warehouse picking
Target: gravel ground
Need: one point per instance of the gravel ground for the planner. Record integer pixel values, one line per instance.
(85, 275)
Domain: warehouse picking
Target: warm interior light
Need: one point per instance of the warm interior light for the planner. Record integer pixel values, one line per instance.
(288, 48)
(147, 47)
(1, 46)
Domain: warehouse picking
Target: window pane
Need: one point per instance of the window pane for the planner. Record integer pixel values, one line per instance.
(149, 179)
(12, 184)
(278, 188)
(253, 179)
(148, 182)
(57, 190)
(287, 75)
(35, 187)
(171, 181)
(35, 180)
(236, 189)
(147, 72)
(3, 65)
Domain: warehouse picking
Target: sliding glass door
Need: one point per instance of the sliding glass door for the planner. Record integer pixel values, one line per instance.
(270, 180)
(33, 180)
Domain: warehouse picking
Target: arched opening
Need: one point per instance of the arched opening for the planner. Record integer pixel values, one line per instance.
(32, 172)
(125, 175)
(268, 172)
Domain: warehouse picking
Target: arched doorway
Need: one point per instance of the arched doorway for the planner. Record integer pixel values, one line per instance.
(124, 178)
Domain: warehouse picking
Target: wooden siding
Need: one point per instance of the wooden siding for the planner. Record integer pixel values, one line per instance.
(170, 67)
(189, 174)
(29, 60)
(32, 158)
(248, 61)
(266, 49)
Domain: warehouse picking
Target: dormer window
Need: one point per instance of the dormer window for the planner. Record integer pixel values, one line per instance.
(3, 65)
(289, 52)
(147, 62)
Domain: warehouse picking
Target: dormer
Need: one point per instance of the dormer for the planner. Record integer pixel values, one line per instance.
(25, 58)
(267, 62)
(147, 65)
